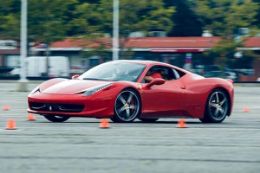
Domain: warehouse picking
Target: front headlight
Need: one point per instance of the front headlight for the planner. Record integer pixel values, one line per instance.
(93, 90)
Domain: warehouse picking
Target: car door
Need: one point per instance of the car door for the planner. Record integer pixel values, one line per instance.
(164, 100)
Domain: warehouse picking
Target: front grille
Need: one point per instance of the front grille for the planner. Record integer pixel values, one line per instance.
(55, 107)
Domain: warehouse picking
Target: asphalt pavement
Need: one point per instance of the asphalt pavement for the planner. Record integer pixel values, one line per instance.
(79, 145)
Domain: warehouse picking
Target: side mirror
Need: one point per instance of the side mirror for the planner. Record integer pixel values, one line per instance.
(157, 81)
(76, 76)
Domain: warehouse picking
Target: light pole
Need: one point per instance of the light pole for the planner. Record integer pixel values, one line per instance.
(115, 29)
(22, 84)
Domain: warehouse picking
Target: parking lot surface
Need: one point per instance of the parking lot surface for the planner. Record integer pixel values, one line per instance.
(79, 145)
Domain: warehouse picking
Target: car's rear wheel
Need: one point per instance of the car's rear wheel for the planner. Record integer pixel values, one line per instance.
(127, 106)
(217, 107)
(56, 118)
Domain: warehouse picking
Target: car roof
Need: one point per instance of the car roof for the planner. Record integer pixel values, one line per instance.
(145, 62)
(150, 63)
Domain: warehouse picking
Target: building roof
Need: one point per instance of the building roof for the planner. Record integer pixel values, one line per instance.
(252, 42)
(153, 44)
(81, 43)
(172, 42)
(9, 51)
(143, 42)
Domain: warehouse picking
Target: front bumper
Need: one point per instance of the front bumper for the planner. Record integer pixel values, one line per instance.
(75, 105)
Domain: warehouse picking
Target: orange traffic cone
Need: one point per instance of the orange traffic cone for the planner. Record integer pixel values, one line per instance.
(6, 107)
(31, 117)
(246, 109)
(181, 124)
(104, 124)
(10, 125)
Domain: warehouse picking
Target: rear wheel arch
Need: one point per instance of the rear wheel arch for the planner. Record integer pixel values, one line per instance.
(209, 117)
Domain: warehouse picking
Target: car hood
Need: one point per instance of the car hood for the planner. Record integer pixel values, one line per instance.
(73, 86)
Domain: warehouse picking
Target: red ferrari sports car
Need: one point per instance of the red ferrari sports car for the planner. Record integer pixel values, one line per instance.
(128, 89)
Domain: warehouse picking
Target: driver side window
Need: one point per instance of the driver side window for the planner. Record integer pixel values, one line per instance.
(163, 72)
(176, 74)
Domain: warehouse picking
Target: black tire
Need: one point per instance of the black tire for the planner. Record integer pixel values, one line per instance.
(56, 118)
(148, 120)
(217, 107)
(127, 106)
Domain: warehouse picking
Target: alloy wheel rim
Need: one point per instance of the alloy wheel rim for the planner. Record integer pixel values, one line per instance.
(218, 105)
(127, 106)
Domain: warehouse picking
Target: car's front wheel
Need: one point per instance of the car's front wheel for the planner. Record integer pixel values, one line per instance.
(56, 118)
(127, 106)
(217, 107)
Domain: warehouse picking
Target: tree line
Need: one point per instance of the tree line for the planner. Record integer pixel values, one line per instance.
(50, 20)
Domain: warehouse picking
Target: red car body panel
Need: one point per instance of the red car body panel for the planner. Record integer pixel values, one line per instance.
(186, 96)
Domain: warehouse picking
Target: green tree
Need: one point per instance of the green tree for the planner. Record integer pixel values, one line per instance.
(135, 15)
(10, 19)
(257, 22)
(48, 20)
(223, 18)
(94, 19)
(186, 21)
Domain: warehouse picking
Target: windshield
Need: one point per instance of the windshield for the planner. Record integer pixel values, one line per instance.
(114, 71)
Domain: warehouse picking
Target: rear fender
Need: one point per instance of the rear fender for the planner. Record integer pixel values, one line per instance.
(223, 84)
